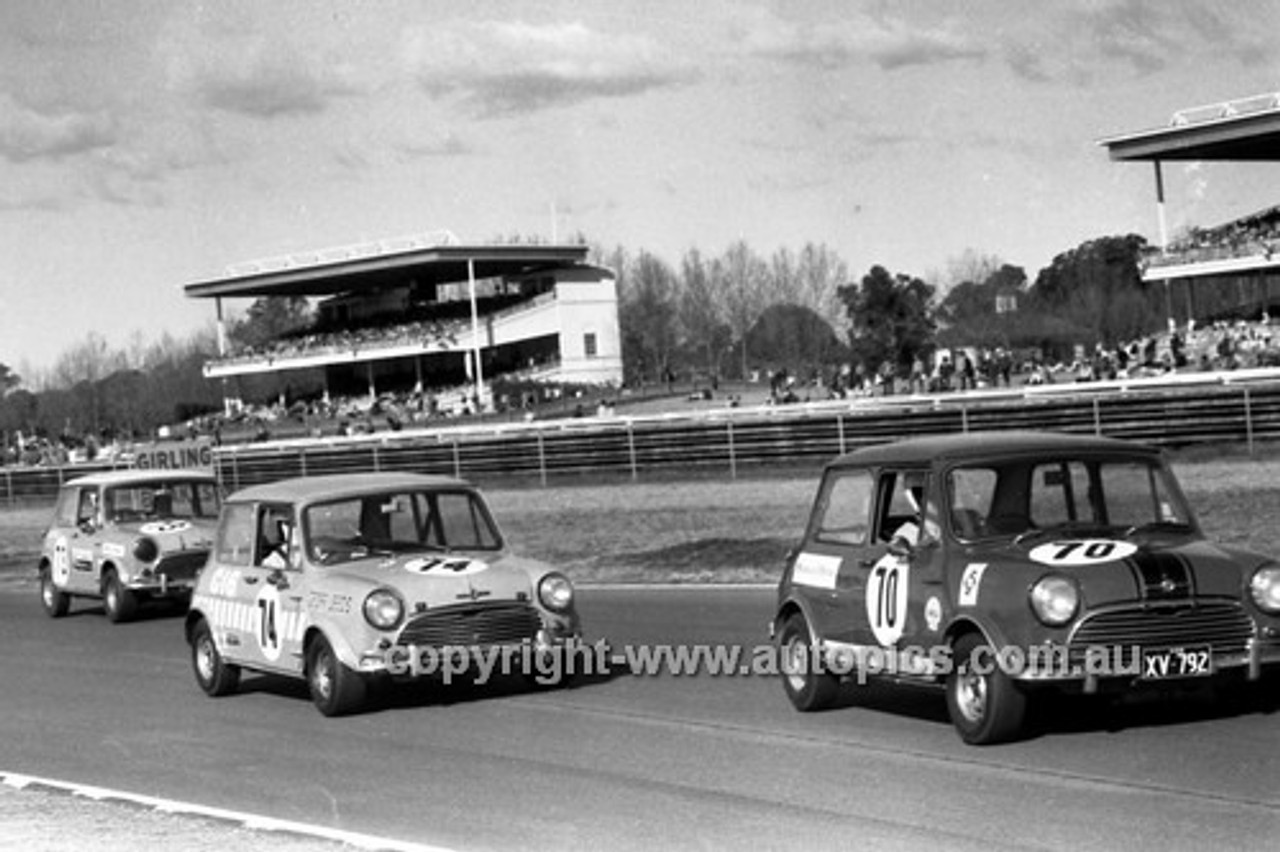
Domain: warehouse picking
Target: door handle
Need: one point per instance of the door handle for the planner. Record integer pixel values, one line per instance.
(249, 581)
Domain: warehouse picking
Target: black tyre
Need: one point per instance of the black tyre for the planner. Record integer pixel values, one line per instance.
(215, 676)
(550, 669)
(335, 689)
(119, 602)
(985, 704)
(56, 602)
(807, 686)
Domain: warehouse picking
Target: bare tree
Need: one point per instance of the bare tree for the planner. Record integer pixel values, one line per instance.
(744, 281)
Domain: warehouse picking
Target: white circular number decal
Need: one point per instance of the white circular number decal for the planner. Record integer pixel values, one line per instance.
(164, 527)
(267, 614)
(439, 567)
(61, 562)
(887, 599)
(1087, 551)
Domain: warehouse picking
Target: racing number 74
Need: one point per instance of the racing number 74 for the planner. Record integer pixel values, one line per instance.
(267, 636)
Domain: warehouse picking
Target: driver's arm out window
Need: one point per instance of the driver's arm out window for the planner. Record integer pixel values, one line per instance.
(845, 517)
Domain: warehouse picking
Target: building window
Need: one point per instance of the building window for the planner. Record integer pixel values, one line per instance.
(1007, 304)
(589, 344)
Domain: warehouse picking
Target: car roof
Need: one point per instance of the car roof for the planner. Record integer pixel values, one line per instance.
(135, 476)
(313, 489)
(974, 445)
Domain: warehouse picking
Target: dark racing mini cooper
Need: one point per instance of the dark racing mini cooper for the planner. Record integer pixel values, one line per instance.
(343, 579)
(996, 564)
(127, 536)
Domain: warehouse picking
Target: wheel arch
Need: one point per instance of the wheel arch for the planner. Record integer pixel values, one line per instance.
(789, 607)
(341, 647)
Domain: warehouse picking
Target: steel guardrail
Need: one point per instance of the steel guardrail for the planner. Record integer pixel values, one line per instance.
(1241, 408)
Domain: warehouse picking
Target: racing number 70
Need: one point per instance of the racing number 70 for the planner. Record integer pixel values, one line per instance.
(887, 598)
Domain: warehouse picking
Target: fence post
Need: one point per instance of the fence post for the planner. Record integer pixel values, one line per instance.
(733, 460)
(8, 485)
(377, 462)
(631, 450)
(302, 460)
(840, 430)
(457, 459)
(964, 417)
(1248, 420)
(542, 460)
(1097, 417)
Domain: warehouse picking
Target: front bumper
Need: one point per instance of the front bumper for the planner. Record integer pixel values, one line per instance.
(160, 585)
(1124, 665)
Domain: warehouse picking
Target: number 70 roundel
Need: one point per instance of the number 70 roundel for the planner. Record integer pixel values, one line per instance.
(887, 598)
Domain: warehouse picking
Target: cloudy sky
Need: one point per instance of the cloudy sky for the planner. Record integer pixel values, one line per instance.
(147, 144)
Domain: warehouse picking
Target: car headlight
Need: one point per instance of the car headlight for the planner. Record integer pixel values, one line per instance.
(1055, 599)
(556, 592)
(1265, 588)
(145, 549)
(383, 609)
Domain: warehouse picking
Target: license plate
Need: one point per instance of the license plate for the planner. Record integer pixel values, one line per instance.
(1189, 661)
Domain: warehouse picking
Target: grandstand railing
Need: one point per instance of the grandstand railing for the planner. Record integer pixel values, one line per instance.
(1241, 408)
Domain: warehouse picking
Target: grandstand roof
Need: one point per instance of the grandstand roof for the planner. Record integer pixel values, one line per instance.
(1243, 129)
(389, 262)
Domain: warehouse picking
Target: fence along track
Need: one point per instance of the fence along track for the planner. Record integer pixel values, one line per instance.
(733, 442)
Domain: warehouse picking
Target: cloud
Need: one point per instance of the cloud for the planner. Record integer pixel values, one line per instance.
(504, 68)
(259, 77)
(28, 134)
(272, 84)
(888, 44)
(1144, 37)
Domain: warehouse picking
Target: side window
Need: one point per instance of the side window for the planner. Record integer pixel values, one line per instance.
(901, 505)
(844, 515)
(88, 507)
(275, 536)
(235, 536)
(589, 347)
(64, 513)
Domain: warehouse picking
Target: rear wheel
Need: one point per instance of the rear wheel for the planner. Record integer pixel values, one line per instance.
(335, 689)
(56, 602)
(215, 676)
(119, 602)
(807, 685)
(984, 703)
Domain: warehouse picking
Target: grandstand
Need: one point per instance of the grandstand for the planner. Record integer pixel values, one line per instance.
(1235, 261)
(423, 314)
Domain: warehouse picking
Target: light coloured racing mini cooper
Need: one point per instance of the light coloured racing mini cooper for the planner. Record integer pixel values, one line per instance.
(342, 579)
(127, 536)
(994, 564)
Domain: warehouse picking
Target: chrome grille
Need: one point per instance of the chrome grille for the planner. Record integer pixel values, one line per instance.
(1225, 626)
(182, 565)
(472, 624)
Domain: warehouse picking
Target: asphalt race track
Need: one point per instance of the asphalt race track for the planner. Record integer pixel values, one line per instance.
(629, 762)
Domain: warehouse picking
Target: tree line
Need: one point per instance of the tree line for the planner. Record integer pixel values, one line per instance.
(729, 316)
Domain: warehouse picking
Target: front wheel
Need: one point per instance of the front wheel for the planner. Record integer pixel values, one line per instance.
(119, 602)
(215, 676)
(335, 689)
(56, 602)
(984, 703)
(807, 684)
